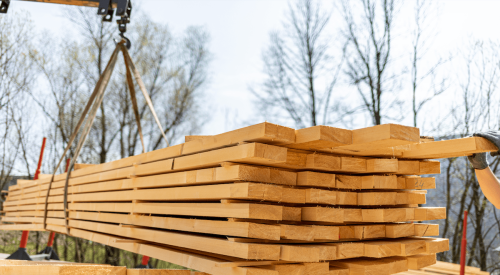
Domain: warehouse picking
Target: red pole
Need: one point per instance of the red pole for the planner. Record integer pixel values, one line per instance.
(145, 260)
(37, 172)
(464, 245)
(51, 239)
(24, 237)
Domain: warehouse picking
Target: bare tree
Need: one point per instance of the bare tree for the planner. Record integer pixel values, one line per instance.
(301, 73)
(424, 12)
(177, 82)
(64, 95)
(16, 74)
(474, 110)
(95, 50)
(368, 30)
(17, 77)
(174, 70)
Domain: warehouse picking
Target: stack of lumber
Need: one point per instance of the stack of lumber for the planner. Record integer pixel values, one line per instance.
(15, 267)
(444, 268)
(264, 199)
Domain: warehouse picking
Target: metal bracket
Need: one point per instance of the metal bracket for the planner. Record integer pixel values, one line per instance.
(105, 10)
(125, 17)
(123, 8)
(4, 6)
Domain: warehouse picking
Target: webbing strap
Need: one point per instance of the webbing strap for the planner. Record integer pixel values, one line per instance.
(96, 97)
(93, 105)
(131, 89)
(138, 78)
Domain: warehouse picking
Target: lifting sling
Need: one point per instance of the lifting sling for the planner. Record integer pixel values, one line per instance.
(91, 109)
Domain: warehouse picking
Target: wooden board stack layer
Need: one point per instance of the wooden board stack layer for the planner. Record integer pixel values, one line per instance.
(16, 267)
(441, 268)
(264, 199)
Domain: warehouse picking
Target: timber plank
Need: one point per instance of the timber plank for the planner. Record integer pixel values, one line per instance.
(400, 230)
(420, 261)
(264, 133)
(429, 213)
(364, 266)
(323, 214)
(223, 210)
(208, 244)
(319, 137)
(426, 230)
(349, 250)
(241, 229)
(450, 148)
(132, 271)
(196, 177)
(183, 258)
(316, 179)
(254, 153)
(381, 249)
(62, 269)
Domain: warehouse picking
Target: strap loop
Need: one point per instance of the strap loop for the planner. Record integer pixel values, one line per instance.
(93, 105)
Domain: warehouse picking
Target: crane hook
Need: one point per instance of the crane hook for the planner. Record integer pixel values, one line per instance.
(128, 44)
(122, 27)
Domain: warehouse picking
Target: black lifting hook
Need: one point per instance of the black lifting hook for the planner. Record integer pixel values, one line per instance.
(125, 11)
(127, 41)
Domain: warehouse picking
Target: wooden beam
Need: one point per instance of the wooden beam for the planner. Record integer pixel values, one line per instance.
(335, 270)
(319, 137)
(253, 153)
(249, 263)
(416, 183)
(195, 177)
(62, 269)
(240, 229)
(371, 141)
(248, 191)
(208, 244)
(17, 227)
(295, 232)
(450, 148)
(79, 166)
(349, 250)
(264, 133)
(426, 230)
(298, 253)
(224, 210)
(420, 261)
(323, 214)
(399, 230)
(324, 180)
(157, 155)
(381, 249)
(191, 260)
(192, 137)
(362, 232)
(132, 271)
(429, 213)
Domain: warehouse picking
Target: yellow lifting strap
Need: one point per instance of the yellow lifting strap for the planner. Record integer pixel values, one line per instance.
(93, 105)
